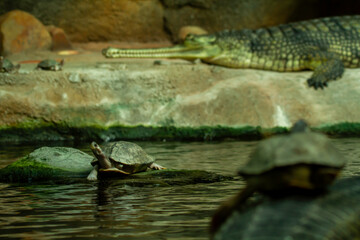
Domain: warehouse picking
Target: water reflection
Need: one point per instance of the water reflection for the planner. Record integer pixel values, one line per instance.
(110, 209)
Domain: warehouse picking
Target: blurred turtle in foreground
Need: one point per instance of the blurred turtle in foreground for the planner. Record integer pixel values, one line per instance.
(301, 161)
(120, 157)
(331, 216)
(7, 66)
(51, 65)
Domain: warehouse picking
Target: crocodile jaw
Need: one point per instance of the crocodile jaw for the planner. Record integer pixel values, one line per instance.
(177, 51)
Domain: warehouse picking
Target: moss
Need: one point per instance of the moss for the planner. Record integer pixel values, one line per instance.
(28, 169)
(341, 129)
(28, 124)
(61, 132)
(168, 177)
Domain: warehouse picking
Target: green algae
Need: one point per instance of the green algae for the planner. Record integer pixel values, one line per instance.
(28, 169)
(167, 177)
(48, 163)
(61, 132)
(96, 132)
(345, 129)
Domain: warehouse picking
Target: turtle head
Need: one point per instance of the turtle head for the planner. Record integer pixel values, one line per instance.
(97, 151)
(300, 126)
(95, 148)
(100, 155)
(58, 66)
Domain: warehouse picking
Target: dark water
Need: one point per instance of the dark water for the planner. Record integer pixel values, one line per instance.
(105, 210)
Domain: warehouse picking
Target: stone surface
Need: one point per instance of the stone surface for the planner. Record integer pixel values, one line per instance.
(149, 20)
(101, 94)
(169, 177)
(62, 164)
(59, 38)
(216, 15)
(48, 163)
(100, 20)
(332, 215)
(21, 31)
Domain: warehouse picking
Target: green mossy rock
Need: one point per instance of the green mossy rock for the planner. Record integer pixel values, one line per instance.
(62, 164)
(167, 177)
(48, 163)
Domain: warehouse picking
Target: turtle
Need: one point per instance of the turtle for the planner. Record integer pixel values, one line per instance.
(300, 162)
(120, 157)
(50, 64)
(7, 66)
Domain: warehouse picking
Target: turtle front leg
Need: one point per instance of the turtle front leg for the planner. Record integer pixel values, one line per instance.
(93, 175)
(156, 166)
(228, 207)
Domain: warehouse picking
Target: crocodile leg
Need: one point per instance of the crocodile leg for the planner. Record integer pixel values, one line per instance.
(326, 67)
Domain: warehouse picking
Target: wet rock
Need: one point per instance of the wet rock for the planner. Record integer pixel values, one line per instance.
(48, 163)
(21, 31)
(331, 215)
(61, 163)
(168, 177)
(59, 38)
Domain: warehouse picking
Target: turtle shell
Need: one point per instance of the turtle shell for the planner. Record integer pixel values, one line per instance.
(48, 64)
(127, 153)
(8, 66)
(297, 148)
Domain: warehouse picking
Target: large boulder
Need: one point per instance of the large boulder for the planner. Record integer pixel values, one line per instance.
(217, 15)
(21, 31)
(129, 99)
(98, 20)
(160, 20)
(60, 40)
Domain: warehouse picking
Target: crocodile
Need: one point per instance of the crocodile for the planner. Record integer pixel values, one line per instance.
(324, 45)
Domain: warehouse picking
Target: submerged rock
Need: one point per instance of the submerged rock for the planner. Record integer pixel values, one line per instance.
(171, 177)
(331, 215)
(62, 163)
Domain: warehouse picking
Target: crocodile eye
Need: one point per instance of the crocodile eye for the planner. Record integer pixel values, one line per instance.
(190, 36)
(211, 38)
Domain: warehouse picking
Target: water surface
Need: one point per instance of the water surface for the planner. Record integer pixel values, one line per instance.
(109, 209)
